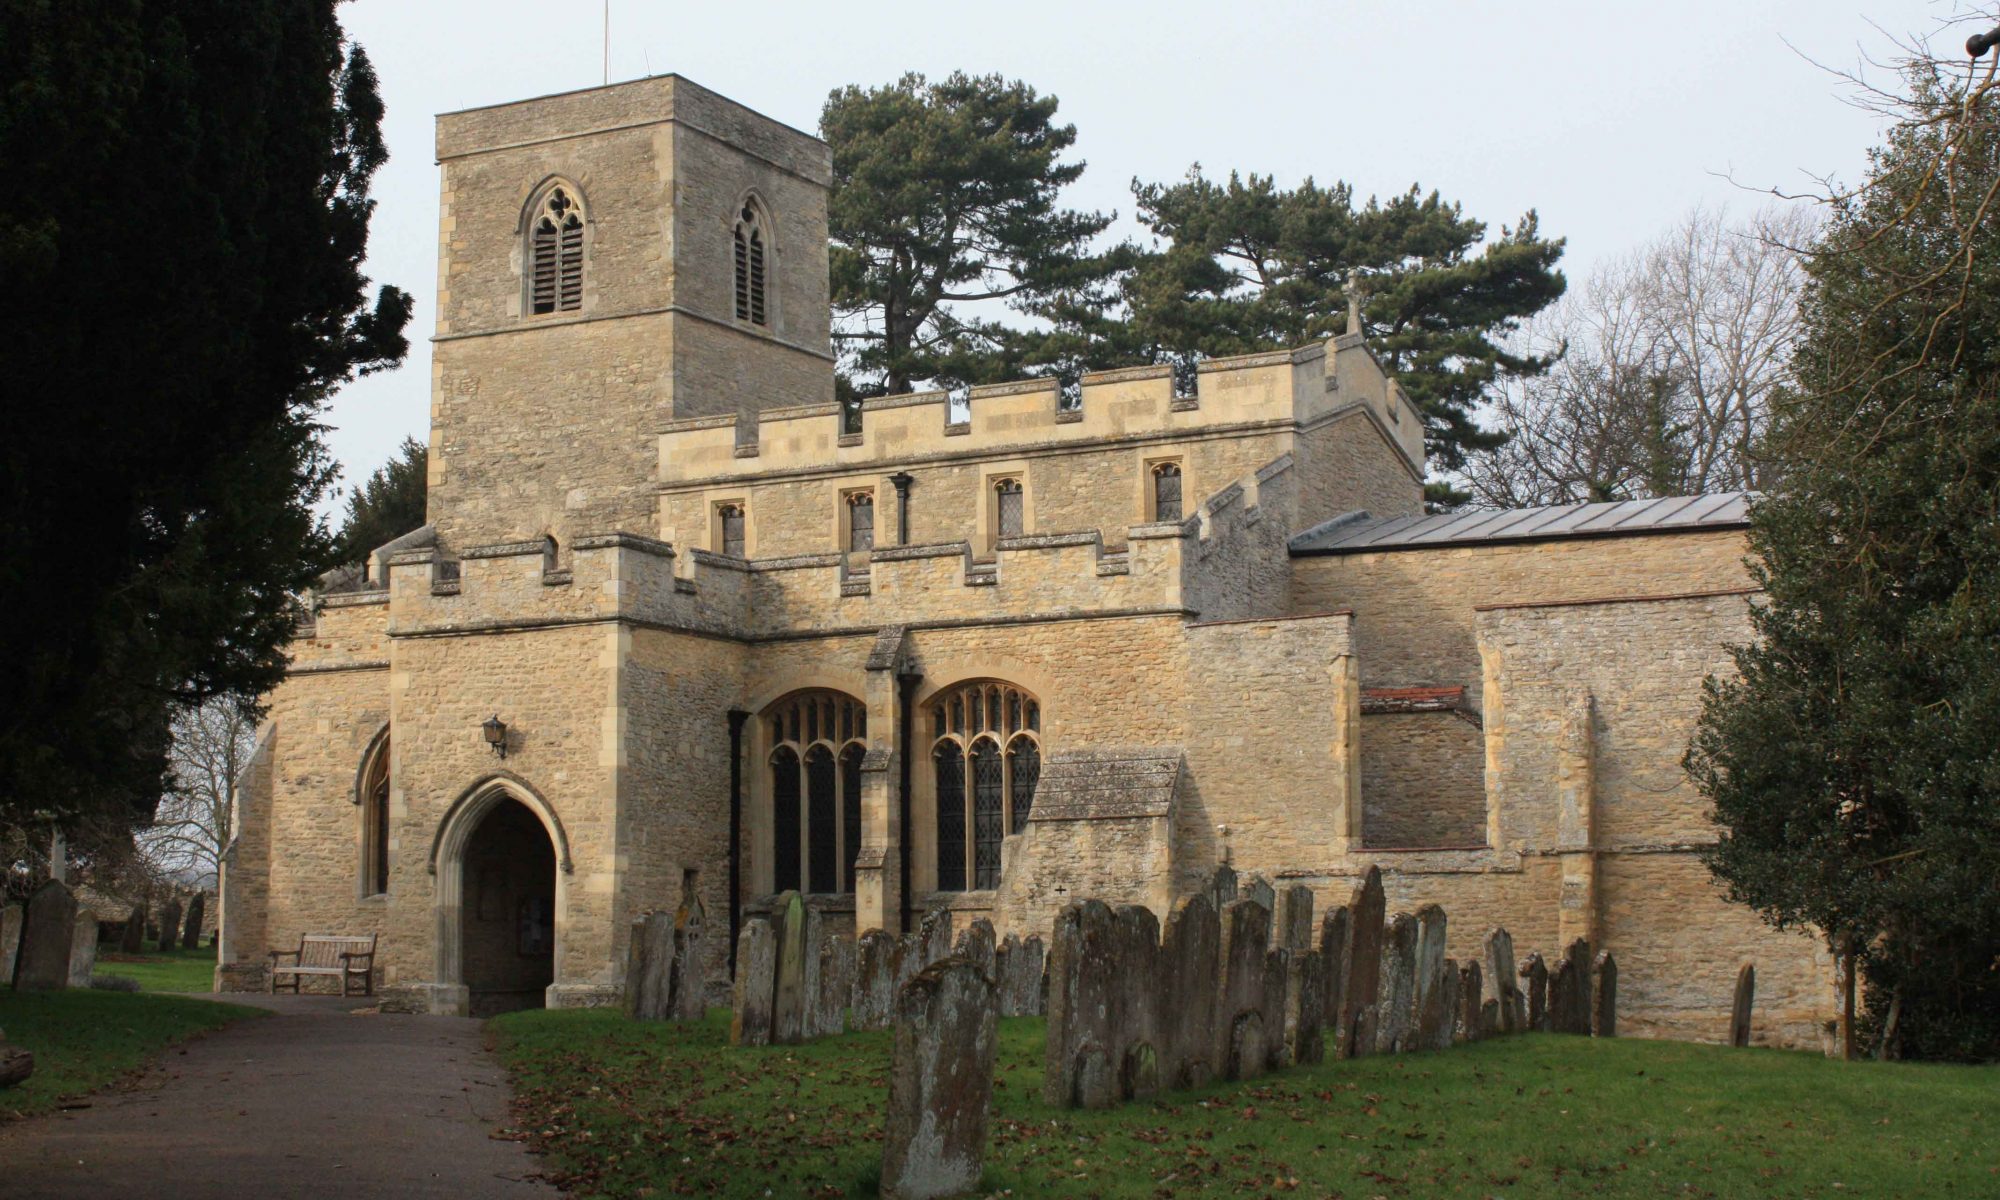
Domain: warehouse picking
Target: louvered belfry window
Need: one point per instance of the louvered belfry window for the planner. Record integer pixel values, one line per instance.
(555, 251)
(752, 299)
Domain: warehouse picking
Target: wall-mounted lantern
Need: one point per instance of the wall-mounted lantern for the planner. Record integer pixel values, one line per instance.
(495, 730)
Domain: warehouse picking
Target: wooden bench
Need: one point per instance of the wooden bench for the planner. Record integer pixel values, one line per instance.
(347, 959)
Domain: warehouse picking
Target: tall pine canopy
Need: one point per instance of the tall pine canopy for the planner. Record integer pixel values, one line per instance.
(188, 212)
(388, 504)
(1855, 764)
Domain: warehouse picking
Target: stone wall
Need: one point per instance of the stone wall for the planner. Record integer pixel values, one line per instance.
(1422, 780)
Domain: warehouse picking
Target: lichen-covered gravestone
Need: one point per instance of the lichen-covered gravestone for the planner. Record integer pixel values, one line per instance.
(1368, 908)
(83, 950)
(10, 940)
(977, 945)
(1434, 1016)
(875, 980)
(1470, 987)
(688, 983)
(1295, 917)
(46, 931)
(1604, 1014)
(649, 961)
(1397, 994)
(196, 914)
(940, 1082)
(1501, 969)
(1189, 953)
(836, 985)
(1222, 887)
(756, 984)
(789, 997)
(1135, 946)
(1454, 1004)
(1242, 1037)
(1077, 1067)
(1536, 972)
(1305, 996)
(934, 931)
(1335, 946)
(1259, 889)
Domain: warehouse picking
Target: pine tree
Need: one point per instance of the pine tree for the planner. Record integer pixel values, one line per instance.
(1854, 763)
(389, 504)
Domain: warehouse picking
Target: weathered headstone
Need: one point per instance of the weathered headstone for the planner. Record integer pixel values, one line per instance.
(1470, 987)
(1335, 945)
(10, 940)
(1305, 1013)
(815, 926)
(649, 962)
(196, 914)
(1242, 1039)
(1295, 918)
(1025, 976)
(1433, 1013)
(1258, 889)
(1577, 1006)
(1440, 1035)
(83, 950)
(1189, 955)
(1078, 1070)
(43, 962)
(1136, 1040)
(1604, 1014)
(1277, 981)
(909, 957)
(1536, 972)
(688, 985)
(170, 923)
(1500, 968)
(132, 940)
(1396, 997)
(1562, 997)
(1489, 1018)
(1222, 887)
(789, 1002)
(940, 1082)
(976, 945)
(1001, 954)
(934, 931)
(1364, 972)
(1739, 1010)
(875, 980)
(835, 983)
(756, 984)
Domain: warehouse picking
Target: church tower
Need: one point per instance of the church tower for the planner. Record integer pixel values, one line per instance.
(609, 260)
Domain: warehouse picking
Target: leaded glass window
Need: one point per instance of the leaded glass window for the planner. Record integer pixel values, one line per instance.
(1024, 770)
(730, 518)
(822, 834)
(861, 520)
(984, 793)
(817, 739)
(1007, 499)
(950, 817)
(988, 813)
(784, 819)
(1167, 492)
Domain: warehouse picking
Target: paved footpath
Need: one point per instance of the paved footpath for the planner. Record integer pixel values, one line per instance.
(313, 1101)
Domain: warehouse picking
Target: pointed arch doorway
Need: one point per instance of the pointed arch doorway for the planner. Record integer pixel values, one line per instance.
(501, 859)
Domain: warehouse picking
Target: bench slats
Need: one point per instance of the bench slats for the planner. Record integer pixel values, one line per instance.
(350, 959)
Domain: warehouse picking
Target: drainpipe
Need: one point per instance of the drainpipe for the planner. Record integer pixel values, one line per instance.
(736, 719)
(905, 719)
(902, 481)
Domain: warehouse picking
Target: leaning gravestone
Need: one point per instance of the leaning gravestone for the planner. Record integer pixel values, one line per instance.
(649, 969)
(10, 940)
(789, 997)
(756, 984)
(1604, 1014)
(1536, 972)
(1189, 954)
(1368, 909)
(83, 950)
(1242, 1040)
(1739, 1011)
(1433, 1013)
(170, 923)
(1259, 889)
(688, 980)
(196, 914)
(1077, 1067)
(940, 1082)
(1136, 1040)
(46, 931)
(874, 980)
(1295, 917)
(133, 940)
(1501, 969)
(1335, 945)
(1397, 994)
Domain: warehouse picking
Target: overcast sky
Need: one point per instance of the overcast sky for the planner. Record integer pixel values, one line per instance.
(1612, 118)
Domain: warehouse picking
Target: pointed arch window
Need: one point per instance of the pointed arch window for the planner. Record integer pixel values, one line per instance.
(1166, 491)
(752, 252)
(986, 756)
(374, 802)
(818, 739)
(555, 253)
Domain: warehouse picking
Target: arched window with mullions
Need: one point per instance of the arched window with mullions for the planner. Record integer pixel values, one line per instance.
(986, 757)
(555, 251)
(753, 242)
(817, 742)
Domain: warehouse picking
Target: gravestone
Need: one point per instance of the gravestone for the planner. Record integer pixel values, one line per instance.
(1136, 1041)
(1433, 1013)
(756, 984)
(42, 964)
(1489, 1019)
(1242, 1042)
(689, 984)
(934, 931)
(909, 958)
(1536, 972)
(1258, 889)
(789, 998)
(1189, 954)
(1604, 1014)
(874, 980)
(809, 1010)
(1277, 979)
(1335, 945)
(1396, 997)
(10, 940)
(197, 913)
(1222, 887)
(132, 941)
(1364, 972)
(1739, 1010)
(1562, 997)
(835, 983)
(83, 950)
(1502, 968)
(1305, 1012)
(940, 1082)
(170, 923)
(1441, 1035)
(1021, 982)
(649, 964)
(1577, 1004)
(1001, 953)
(1470, 985)
(976, 945)
(1077, 1069)
(1295, 918)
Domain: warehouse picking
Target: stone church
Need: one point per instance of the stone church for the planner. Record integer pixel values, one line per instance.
(678, 624)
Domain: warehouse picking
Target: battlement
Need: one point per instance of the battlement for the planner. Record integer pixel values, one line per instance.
(1280, 388)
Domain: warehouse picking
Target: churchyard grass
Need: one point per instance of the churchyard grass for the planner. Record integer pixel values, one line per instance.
(627, 1108)
(83, 1040)
(162, 970)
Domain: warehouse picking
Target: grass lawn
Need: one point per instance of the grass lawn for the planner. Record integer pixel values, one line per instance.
(85, 1039)
(162, 970)
(629, 1109)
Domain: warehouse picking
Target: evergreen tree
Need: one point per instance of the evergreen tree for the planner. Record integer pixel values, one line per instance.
(388, 505)
(1854, 763)
(1249, 266)
(946, 194)
(188, 214)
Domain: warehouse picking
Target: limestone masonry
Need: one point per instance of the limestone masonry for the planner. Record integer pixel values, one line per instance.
(681, 636)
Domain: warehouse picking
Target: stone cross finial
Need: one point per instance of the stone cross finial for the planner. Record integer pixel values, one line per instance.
(1355, 294)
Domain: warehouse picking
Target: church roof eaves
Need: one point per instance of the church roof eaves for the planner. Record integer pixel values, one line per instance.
(1357, 532)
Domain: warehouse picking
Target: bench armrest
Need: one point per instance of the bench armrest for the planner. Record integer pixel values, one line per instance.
(347, 954)
(278, 954)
